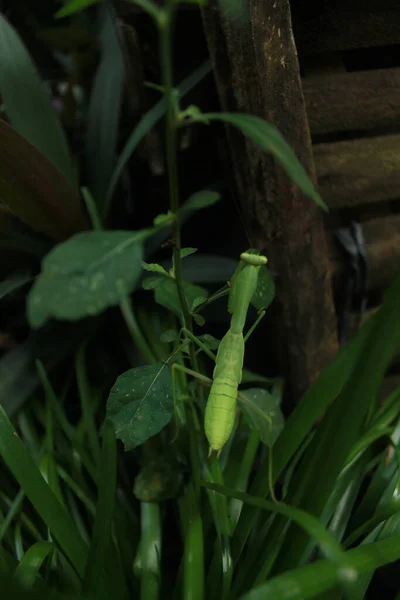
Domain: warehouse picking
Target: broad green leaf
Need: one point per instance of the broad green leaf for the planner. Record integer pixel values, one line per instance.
(140, 403)
(29, 567)
(201, 200)
(104, 108)
(270, 427)
(269, 139)
(159, 479)
(184, 252)
(154, 268)
(35, 190)
(150, 283)
(14, 282)
(86, 275)
(25, 471)
(28, 103)
(148, 121)
(265, 290)
(169, 336)
(166, 294)
(74, 6)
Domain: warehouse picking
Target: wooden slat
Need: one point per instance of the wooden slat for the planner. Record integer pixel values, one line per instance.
(329, 25)
(257, 72)
(357, 172)
(353, 101)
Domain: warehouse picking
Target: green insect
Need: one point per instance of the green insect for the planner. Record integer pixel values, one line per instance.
(221, 406)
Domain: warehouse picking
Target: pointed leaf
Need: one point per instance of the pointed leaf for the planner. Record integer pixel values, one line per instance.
(74, 6)
(29, 567)
(201, 200)
(265, 290)
(28, 103)
(166, 294)
(14, 282)
(269, 139)
(35, 190)
(86, 275)
(270, 427)
(187, 252)
(154, 268)
(140, 403)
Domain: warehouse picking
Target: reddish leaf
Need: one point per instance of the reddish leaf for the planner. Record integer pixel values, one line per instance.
(35, 190)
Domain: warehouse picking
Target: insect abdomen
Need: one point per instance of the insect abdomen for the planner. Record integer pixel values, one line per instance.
(220, 412)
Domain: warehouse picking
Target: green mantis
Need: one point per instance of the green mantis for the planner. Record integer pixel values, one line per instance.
(221, 406)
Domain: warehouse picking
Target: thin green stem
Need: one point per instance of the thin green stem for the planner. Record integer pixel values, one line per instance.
(202, 346)
(166, 62)
(255, 324)
(135, 331)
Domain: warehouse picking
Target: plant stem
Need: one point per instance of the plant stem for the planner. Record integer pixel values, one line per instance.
(166, 61)
(135, 331)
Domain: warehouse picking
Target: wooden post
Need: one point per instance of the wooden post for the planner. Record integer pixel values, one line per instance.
(256, 71)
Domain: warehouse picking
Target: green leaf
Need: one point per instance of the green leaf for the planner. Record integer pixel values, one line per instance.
(197, 302)
(313, 580)
(154, 268)
(265, 290)
(164, 219)
(104, 108)
(25, 471)
(101, 536)
(268, 428)
(30, 564)
(148, 121)
(35, 190)
(270, 140)
(166, 294)
(74, 6)
(160, 479)
(150, 283)
(199, 320)
(140, 403)
(28, 103)
(14, 282)
(86, 275)
(169, 336)
(210, 341)
(201, 200)
(187, 252)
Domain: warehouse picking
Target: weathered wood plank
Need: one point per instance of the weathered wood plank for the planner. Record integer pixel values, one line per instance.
(361, 171)
(257, 72)
(352, 101)
(324, 25)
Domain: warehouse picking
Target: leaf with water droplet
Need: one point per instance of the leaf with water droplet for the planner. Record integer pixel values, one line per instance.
(140, 403)
(85, 275)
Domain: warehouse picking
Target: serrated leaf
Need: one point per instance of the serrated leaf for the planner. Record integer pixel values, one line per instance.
(209, 340)
(169, 336)
(166, 294)
(199, 319)
(140, 403)
(265, 290)
(164, 219)
(197, 302)
(187, 252)
(86, 275)
(154, 268)
(150, 283)
(201, 200)
(35, 190)
(268, 428)
(270, 140)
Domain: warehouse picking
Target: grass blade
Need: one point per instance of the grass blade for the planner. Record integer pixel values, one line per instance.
(29, 567)
(40, 495)
(28, 103)
(104, 109)
(101, 535)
